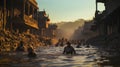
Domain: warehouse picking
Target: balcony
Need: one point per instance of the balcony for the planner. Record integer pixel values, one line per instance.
(102, 1)
(31, 22)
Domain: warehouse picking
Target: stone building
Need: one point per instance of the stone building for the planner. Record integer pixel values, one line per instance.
(51, 31)
(18, 15)
(43, 22)
(108, 21)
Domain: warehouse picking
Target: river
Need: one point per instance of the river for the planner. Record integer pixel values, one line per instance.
(52, 56)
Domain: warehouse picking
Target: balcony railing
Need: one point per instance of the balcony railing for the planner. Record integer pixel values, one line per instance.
(31, 22)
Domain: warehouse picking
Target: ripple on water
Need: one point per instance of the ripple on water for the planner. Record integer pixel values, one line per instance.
(53, 57)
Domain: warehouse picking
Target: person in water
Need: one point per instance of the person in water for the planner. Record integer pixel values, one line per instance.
(69, 49)
(20, 47)
(78, 45)
(31, 52)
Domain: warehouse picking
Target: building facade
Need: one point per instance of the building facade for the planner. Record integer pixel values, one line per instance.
(18, 15)
(107, 24)
(43, 22)
(108, 21)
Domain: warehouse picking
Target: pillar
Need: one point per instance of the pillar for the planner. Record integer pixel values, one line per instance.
(28, 9)
(96, 6)
(12, 9)
(118, 21)
(4, 17)
(33, 12)
(1, 18)
(23, 9)
(105, 28)
(96, 12)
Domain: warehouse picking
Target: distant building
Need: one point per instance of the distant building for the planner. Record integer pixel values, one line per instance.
(84, 32)
(43, 21)
(86, 27)
(52, 31)
(18, 15)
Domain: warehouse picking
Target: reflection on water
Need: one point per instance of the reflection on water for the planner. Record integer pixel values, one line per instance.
(53, 57)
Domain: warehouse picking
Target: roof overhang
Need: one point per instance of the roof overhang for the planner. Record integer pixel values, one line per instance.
(34, 3)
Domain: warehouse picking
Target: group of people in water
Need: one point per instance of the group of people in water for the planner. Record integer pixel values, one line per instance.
(30, 49)
(68, 49)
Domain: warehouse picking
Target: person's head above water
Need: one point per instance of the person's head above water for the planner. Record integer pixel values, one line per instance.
(68, 43)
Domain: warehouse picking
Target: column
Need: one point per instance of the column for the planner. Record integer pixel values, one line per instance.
(12, 9)
(23, 9)
(11, 14)
(118, 21)
(96, 12)
(104, 28)
(96, 6)
(35, 14)
(28, 8)
(4, 18)
(0, 12)
(1, 18)
(33, 11)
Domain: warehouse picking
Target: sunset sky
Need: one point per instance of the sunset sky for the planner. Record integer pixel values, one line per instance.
(68, 10)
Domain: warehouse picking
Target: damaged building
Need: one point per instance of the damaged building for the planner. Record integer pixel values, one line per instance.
(107, 23)
(19, 15)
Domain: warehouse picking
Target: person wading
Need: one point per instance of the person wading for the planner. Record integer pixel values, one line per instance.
(69, 49)
(31, 52)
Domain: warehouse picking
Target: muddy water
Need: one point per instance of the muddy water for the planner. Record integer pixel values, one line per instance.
(52, 57)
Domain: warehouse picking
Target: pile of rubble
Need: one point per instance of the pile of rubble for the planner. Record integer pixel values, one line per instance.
(10, 40)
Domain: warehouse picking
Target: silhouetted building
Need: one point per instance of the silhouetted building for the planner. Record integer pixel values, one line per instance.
(43, 21)
(108, 21)
(84, 32)
(107, 24)
(51, 30)
(19, 15)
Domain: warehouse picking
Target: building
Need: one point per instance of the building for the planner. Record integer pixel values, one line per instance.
(43, 22)
(18, 15)
(108, 21)
(43, 19)
(51, 31)
(84, 32)
(107, 24)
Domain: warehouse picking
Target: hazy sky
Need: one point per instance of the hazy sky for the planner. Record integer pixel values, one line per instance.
(68, 10)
